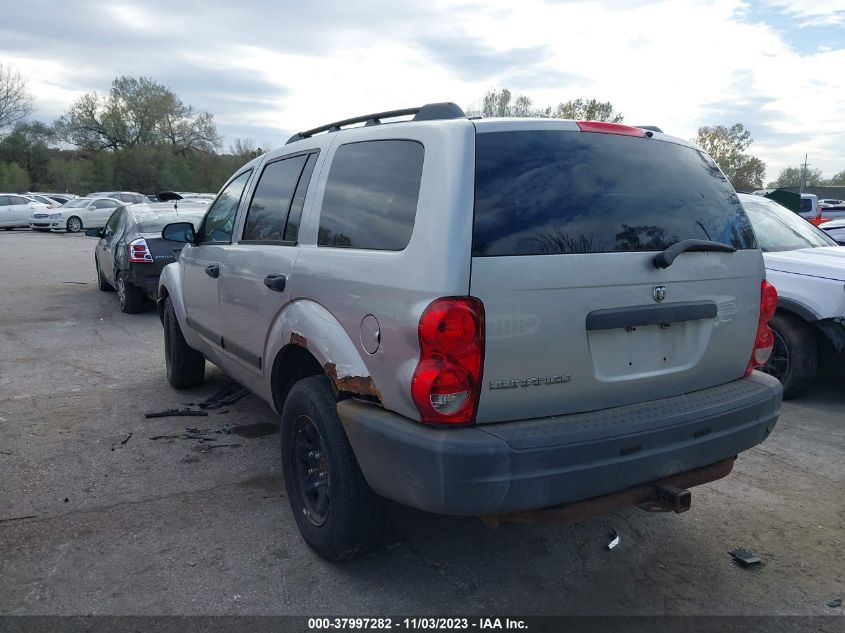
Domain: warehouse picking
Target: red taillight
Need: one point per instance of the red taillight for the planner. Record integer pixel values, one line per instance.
(765, 340)
(601, 127)
(447, 381)
(139, 253)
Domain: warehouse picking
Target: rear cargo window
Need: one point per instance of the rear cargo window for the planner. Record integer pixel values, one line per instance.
(371, 195)
(552, 192)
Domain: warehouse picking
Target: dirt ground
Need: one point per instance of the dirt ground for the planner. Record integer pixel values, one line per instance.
(98, 517)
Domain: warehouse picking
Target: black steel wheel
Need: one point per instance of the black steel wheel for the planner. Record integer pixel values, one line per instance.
(308, 456)
(778, 363)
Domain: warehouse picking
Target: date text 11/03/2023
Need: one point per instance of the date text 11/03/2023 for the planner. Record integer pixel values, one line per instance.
(423, 623)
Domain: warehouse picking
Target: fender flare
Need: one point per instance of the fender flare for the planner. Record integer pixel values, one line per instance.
(309, 325)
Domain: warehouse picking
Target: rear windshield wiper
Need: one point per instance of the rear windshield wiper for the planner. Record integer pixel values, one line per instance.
(665, 259)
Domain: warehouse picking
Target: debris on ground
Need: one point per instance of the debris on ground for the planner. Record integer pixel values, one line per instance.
(200, 435)
(123, 441)
(615, 539)
(81, 283)
(6, 453)
(229, 394)
(28, 516)
(745, 557)
(172, 413)
(835, 603)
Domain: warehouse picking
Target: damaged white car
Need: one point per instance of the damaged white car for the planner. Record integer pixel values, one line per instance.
(808, 269)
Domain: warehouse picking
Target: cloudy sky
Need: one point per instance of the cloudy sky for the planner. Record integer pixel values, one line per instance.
(267, 68)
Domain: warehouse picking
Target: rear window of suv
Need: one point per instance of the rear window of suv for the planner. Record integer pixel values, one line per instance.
(553, 192)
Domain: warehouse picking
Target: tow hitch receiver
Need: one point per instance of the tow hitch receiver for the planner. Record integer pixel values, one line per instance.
(672, 498)
(669, 494)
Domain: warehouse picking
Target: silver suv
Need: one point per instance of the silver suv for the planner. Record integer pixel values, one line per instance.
(480, 317)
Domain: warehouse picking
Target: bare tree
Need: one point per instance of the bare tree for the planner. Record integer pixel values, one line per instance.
(503, 103)
(15, 100)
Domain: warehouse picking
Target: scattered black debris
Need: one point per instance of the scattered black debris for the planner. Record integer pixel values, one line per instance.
(190, 459)
(28, 516)
(615, 539)
(171, 413)
(66, 500)
(258, 429)
(225, 396)
(745, 557)
(123, 441)
(835, 603)
(222, 445)
(81, 283)
(6, 453)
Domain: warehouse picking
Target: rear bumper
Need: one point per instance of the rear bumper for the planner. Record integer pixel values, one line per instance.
(515, 466)
(146, 277)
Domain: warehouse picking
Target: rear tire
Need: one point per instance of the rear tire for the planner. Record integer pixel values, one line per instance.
(185, 365)
(102, 284)
(795, 357)
(338, 514)
(131, 297)
(73, 225)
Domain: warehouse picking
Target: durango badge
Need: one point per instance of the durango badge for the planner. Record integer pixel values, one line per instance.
(527, 382)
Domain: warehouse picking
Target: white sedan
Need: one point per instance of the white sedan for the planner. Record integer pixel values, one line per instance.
(73, 216)
(808, 269)
(16, 209)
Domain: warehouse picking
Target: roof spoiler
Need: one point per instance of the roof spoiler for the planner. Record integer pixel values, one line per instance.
(653, 128)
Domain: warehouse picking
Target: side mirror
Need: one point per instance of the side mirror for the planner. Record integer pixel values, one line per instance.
(94, 232)
(179, 232)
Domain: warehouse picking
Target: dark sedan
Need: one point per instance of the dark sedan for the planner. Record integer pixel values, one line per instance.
(131, 252)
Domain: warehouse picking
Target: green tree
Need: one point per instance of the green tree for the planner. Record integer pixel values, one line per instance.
(136, 112)
(587, 110)
(791, 177)
(838, 179)
(727, 146)
(503, 103)
(13, 177)
(27, 145)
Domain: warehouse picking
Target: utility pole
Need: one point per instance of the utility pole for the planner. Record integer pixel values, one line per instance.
(803, 175)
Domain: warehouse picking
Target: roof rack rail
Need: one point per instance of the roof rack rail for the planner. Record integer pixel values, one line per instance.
(653, 128)
(428, 112)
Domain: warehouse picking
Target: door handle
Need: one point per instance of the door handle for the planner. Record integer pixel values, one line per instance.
(212, 271)
(275, 282)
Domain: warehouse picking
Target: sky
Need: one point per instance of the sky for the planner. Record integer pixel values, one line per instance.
(268, 68)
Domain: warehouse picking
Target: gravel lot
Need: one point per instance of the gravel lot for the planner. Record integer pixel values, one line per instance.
(94, 523)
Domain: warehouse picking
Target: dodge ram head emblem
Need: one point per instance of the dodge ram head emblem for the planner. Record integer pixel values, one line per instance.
(659, 293)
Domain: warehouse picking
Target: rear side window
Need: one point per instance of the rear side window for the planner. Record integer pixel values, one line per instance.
(371, 195)
(552, 192)
(268, 211)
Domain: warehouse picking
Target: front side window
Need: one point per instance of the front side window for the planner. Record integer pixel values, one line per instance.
(779, 229)
(268, 210)
(220, 219)
(371, 195)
